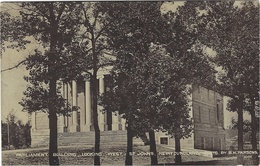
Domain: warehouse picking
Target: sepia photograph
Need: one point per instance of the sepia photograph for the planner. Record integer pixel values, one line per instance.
(130, 82)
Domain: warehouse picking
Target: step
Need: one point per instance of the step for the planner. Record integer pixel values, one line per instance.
(86, 138)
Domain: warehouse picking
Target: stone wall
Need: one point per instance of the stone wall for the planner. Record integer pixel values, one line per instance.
(208, 118)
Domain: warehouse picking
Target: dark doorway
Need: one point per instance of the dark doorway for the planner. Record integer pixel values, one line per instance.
(108, 80)
(78, 121)
(109, 120)
(164, 140)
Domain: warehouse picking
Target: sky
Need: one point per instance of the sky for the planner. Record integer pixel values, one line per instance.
(13, 85)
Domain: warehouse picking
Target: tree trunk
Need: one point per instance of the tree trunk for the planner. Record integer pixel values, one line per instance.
(53, 145)
(95, 119)
(254, 131)
(95, 99)
(129, 150)
(240, 158)
(154, 160)
(177, 149)
(254, 137)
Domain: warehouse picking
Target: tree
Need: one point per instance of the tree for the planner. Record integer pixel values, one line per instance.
(252, 126)
(253, 108)
(94, 47)
(13, 132)
(230, 31)
(247, 126)
(4, 134)
(53, 25)
(27, 134)
(123, 102)
(130, 44)
(156, 62)
(190, 67)
(66, 30)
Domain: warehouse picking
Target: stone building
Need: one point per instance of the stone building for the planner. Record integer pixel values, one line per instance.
(208, 120)
(207, 115)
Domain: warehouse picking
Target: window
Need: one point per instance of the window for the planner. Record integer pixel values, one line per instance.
(220, 144)
(202, 143)
(164, 140)
(196, 113)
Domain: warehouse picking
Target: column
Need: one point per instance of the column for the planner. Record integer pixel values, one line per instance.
(102, 125)
(87, 106)
(69, 97)
(73, 128)
(65, 95)
(66, 124)
(61, 117)
(115, 122)
(33, 121)
(60, 123)
(81, 105)
(87, 109)
(123, 122)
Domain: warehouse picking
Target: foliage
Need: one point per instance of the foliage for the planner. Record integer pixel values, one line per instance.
(130, 44)
(37, 20)
(232, 34)
(37, 98)
(54, 25)
(158, 56)
(247, 127)
(12, 34)
(156, 67)
(93, 44)
(19, 134)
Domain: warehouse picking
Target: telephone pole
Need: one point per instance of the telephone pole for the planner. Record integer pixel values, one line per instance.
(8, 132)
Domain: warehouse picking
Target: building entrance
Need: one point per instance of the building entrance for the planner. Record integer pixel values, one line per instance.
(109, 120)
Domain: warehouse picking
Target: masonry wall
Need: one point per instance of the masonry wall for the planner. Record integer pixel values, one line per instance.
(161, 137)
(208, 119)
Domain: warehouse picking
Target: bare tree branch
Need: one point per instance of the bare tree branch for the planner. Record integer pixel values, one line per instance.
(42, 12)
(16, 66)
(85, 14)
(103, 29)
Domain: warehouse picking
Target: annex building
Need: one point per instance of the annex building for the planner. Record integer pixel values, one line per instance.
(206, 112)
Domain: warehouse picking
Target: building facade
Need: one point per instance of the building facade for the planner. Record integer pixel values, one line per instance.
(206, 112)
(208, 117)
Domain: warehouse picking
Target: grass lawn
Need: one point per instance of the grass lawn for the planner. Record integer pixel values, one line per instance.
(80, 156)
